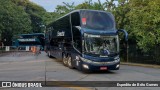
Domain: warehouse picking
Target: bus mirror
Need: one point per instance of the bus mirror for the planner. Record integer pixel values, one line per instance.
(125, 34)
(126, 43)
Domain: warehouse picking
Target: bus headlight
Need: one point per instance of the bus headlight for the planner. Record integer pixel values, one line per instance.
(85, 66)
(117, 66)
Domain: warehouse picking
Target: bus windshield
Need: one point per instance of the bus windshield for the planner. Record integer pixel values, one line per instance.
(97, 20)
(101, 46)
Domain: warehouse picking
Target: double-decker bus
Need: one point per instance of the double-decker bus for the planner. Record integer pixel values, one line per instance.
(85, 39)
(34, 39)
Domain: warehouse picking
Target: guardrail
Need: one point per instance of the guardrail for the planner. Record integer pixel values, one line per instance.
(136, 55)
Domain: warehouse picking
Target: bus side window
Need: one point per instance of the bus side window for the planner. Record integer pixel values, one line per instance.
(75, 19)
(77, 39)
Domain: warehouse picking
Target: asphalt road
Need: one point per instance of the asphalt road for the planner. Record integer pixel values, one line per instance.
(28, 67)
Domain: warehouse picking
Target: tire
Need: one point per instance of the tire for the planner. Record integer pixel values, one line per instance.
(69, 62)
(64, 60)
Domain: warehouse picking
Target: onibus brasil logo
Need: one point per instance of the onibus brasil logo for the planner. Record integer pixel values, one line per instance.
(20, 84)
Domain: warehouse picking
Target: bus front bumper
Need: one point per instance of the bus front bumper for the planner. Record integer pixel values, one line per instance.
(101, 66)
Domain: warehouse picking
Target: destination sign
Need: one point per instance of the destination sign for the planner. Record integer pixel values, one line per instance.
(26, 40)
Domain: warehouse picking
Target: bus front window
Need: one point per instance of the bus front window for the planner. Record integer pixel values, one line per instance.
(98, 46)
(97, 20)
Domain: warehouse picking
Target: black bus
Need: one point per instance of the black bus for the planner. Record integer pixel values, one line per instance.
(85, 39)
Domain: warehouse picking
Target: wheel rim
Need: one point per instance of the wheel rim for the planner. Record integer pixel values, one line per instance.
(64, 59)
(69, 62)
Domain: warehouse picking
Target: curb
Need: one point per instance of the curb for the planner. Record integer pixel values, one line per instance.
(141, 65)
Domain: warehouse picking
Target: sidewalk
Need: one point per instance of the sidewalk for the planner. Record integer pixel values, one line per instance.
(141, 65)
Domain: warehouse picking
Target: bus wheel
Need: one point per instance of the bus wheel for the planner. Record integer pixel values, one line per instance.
(70, 62)
(64, 60)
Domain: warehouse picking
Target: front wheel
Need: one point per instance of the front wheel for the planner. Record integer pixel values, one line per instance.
(64, 60)
(70, 65)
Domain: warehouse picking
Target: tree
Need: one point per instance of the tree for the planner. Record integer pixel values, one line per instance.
(141, 19)
(63, 9)
(91, 5)
(85, 5)
(20, 17)
(37, 14)
(13, 20)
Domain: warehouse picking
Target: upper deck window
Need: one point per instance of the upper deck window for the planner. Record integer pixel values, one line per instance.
(97, 20)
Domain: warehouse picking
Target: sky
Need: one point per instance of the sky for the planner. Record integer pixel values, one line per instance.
(50, 5)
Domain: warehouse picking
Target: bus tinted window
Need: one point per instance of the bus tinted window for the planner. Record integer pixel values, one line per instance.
(97, 20)
(77, 39)
(75, 18)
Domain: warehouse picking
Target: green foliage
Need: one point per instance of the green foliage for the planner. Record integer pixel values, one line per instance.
(19, 17)
(13, 20)
(63, 9)
(141, 19)
(91, 5)
(37, 15)
(144, 22)
(51, 16)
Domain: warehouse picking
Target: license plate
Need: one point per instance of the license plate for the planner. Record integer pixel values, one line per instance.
(103, 68)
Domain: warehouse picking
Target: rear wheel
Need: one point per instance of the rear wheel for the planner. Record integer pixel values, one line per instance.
(64, 59)
(69, 62)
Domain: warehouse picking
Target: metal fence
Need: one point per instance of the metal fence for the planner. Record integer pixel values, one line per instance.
(136, 55)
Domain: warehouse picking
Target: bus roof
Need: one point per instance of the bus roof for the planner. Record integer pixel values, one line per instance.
(79, 10)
